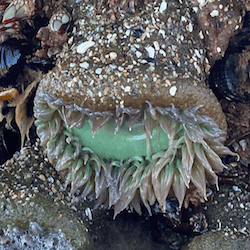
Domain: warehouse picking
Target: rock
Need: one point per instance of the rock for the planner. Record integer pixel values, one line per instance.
(219, 240)
(28, 193)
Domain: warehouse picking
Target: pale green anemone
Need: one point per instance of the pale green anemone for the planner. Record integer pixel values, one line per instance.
(126, 114)
(131, 156)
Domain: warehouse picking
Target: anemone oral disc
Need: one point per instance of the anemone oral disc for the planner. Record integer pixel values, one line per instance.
(124, 144)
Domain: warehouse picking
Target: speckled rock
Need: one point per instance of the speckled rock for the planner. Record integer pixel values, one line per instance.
(233, 206)
(218, 240)
(29, 193)
(228, 214)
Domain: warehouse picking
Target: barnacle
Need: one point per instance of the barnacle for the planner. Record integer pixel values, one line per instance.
(15, 15)
(19, 10)
(54, 35)
(18, 67)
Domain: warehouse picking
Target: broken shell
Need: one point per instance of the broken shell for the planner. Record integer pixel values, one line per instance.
(83, 47)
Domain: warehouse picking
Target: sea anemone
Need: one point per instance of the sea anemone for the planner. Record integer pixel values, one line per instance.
(125, 118)
(131, 156)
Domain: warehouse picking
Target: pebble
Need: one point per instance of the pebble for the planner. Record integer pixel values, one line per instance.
(151, 51)
(163, 6)
(173, 90)
(113, 55)
(84, 65)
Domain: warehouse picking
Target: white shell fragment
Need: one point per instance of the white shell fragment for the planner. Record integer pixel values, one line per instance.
(83, 47)
(157, 46)
(65, 19)
(138, 54)
(218, 49)
(98, 71)
(84, 65)
(151, 52)
(88, 213)
(214, 13)
(190, 27)
(172, 90)
(163, 6)
(112, 55)
(127, 89)
(202, 3)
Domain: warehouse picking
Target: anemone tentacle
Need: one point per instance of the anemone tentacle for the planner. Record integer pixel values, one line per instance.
(193, 144)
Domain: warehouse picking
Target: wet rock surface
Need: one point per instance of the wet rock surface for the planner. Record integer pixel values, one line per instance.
(228, 213)
(14, 238)
(238, 119)
(218, 240)
(31, 190)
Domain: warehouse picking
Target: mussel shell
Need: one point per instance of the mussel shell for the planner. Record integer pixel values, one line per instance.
(240, 41)
(173, 213)
(230, 79)
(12, 59)
(42, 64)
(229, 76)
